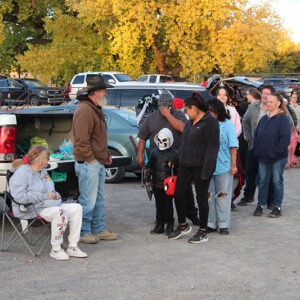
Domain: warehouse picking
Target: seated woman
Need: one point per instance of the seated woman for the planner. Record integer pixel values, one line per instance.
(31, 183)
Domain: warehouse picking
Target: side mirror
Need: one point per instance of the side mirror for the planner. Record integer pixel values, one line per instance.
(111, 81)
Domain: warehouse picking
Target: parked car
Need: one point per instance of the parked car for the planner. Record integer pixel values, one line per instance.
(79, 80)
(29, 91)
(128, 94)
(282, 85)
(55, 125)
(66, 91)
(156, 78)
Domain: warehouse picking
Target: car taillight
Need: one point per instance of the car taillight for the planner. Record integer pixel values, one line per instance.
(7, 143)
(70, 88)
(293, 86)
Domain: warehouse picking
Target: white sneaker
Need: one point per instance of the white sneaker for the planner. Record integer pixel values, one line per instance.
(59, 254)
(76, 252)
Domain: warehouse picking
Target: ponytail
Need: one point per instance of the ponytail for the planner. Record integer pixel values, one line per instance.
(33, 153)
(197, 100)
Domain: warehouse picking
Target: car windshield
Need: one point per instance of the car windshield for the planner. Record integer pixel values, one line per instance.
(123, 77)
(127, 114)
(34, 83)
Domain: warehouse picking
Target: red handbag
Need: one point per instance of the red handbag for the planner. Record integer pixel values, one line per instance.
(169, 184)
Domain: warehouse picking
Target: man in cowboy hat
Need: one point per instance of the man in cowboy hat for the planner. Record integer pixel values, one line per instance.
(91, 154)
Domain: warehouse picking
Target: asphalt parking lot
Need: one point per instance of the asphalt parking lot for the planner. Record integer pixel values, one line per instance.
(260, 259)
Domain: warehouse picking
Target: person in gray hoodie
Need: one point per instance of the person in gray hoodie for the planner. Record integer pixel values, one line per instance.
(31, 183)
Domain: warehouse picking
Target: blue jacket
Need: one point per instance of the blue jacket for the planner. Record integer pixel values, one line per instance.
(272, 138)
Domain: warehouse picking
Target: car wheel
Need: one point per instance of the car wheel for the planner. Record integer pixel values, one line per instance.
(34, 101)
(114, 175)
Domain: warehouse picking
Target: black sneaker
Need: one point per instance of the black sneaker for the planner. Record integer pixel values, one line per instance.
(224, 231)
(179, 231)
(169, 228)
(158, 229)
(200, 237)
(209, 229)
(276, 212)
(244, 201)
(258, 211)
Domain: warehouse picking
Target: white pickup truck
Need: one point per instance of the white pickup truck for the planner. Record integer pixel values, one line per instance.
(54, 125)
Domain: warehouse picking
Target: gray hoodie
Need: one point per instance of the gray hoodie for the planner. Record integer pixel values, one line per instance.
(27, 185)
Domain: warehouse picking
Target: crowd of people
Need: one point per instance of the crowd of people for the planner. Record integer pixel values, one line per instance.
(217, 146)
(208, 143)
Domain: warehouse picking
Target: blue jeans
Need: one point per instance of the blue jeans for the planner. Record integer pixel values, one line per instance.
(271, 172)
(252, 178)
(220, 207)
(91, 178)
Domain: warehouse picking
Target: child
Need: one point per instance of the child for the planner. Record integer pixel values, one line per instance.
(158, 169)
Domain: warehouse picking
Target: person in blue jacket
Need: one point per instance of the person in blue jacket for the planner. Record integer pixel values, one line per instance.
(271, 141)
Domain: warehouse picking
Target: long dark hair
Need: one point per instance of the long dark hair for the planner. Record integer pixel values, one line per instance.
(197, 100)
(227, 94)
(218, 108)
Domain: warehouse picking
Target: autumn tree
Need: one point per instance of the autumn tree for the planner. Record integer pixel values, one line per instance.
(179, 36)
(74, 48)
(187, 36)
(22, 24)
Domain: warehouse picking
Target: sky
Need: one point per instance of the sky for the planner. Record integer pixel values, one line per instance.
(289, 11)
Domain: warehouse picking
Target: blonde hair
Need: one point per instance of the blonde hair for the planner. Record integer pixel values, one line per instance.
(33, 153)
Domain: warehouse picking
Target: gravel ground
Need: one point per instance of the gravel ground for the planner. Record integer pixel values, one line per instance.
(259, 259)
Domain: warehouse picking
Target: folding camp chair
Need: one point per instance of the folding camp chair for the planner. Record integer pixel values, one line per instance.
(23, 230)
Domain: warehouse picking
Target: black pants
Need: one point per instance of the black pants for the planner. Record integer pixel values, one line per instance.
(191, 209)
(164, 206)
(185, 177)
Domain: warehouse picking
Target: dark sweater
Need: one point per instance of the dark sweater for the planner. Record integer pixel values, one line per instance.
(158, 166)
(200, 145)
(272, 138)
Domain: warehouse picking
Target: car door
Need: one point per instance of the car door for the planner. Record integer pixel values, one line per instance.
(77, 83)
(18, 91)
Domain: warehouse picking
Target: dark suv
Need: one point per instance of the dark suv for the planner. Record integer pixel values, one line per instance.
(28, 91)
(282, 85)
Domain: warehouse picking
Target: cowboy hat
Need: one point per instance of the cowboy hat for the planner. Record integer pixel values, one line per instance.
(94, 82)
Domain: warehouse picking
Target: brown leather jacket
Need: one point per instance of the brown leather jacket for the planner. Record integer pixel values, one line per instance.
(90, 133)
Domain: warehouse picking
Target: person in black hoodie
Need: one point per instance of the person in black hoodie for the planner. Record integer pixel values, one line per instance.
(271, 141)
(197, 161)
(157, 170)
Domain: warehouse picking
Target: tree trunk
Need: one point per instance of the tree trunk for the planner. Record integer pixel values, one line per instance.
(160, 56)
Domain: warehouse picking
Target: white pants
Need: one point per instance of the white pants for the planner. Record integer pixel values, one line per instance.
(59, 217)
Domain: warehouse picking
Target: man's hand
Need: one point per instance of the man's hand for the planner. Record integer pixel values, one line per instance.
(165, 111)
(140, 160)
(109, 160)
(53, 196)
(148, 183)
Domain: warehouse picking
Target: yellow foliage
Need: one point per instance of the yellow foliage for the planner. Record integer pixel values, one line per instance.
(138, 36)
